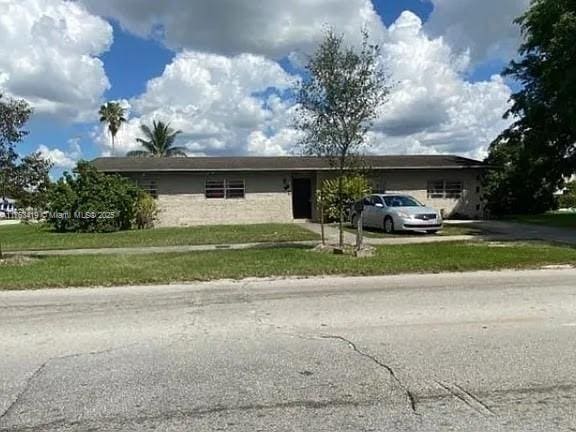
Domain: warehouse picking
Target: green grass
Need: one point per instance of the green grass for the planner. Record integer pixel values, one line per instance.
(39, 237)
(449, 230)
(561, 220)
(287, 261)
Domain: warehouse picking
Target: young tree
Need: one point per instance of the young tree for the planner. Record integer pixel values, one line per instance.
(338, 100)
(531, 158)
(159, 142)
(113, 115)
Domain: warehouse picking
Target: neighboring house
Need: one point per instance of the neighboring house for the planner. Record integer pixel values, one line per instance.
(237, 190)
(7, 207)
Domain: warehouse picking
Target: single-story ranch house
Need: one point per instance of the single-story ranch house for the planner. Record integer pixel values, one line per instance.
(233, 190)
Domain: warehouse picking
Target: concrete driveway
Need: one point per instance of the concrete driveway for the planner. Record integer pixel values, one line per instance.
(518, 231)
(462, 352)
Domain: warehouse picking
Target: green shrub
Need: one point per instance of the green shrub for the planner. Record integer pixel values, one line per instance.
(568, 199)
(146, 211)
(90, 201)
(354, 187)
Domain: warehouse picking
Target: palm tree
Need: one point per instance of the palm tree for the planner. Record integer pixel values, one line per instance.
(112, 114)
(159, 142)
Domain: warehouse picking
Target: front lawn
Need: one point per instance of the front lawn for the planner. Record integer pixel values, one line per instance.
(39, 237)
(99, 270)
(560, 220)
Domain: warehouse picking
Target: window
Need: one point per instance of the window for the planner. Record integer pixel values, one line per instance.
(445, 189)
(401, 201)
(149, 186)
(225, 188)
(375, 200)
(436, 189)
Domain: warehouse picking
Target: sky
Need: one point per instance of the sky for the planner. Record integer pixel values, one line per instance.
(220, 70)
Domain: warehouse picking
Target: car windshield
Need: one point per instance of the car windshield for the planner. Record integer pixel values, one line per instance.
(401, 201)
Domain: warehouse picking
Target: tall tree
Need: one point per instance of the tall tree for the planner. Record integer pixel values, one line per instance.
(113, 115)
(33, 181)
(13, 116)
(338, 101)
(159, 142)
(533, 156)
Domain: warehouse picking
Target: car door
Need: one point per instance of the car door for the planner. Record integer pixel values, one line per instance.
(370, 212)
(378, 211)
(366, 212)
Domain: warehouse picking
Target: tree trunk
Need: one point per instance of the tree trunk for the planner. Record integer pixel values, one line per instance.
(113, 152)
(323, 234)
(341, 211)
(359, 233)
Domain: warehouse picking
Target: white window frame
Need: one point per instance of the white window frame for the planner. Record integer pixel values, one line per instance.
(229, 187)
(445, 189)
(148, 185)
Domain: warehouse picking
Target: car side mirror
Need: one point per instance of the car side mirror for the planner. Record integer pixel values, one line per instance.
(379, 205)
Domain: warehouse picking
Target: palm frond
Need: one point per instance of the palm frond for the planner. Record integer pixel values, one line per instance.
(138, 153)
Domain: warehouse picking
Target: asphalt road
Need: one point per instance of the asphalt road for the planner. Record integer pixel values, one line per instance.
(465, 352)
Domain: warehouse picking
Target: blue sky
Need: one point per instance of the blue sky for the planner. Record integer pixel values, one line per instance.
(130, 58)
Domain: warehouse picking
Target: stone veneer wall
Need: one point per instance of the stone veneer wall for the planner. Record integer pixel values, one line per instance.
(182, 202)
(415, 183)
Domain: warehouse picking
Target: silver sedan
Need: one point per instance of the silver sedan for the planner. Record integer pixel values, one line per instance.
(395, 212)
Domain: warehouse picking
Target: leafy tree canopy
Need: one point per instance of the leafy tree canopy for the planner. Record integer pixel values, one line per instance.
(533, 156)
(26, 179)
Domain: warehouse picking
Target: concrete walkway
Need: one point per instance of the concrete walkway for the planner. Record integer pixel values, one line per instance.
(332, 235)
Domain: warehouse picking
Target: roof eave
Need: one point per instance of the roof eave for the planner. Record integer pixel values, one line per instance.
(189, 170)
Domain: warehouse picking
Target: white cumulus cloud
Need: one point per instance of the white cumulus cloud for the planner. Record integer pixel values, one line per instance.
(432, 108)
(272, 27)
(60, 158)
(48, 56)
(234, 104)
(216, 101)
(483, 27)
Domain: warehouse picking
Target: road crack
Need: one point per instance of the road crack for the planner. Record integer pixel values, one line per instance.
(409, 395)
(468, 398)
(40, 369)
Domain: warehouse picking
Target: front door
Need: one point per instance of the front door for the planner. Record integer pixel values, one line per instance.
(302, 198)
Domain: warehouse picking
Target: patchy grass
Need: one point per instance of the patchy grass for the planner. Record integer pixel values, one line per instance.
(280, 261)
(39, 237)
(560, 220)
(449, 230)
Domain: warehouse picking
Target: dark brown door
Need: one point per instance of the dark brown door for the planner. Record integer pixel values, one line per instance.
(302, 198)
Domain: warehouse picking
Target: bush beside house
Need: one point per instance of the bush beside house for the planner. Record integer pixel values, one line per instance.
(90, 201)
(568, 199)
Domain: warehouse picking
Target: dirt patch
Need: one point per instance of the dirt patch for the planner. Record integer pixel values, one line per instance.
(17, 261)
(348, 250)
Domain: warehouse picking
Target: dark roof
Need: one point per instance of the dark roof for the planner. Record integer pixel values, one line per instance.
(279, 163)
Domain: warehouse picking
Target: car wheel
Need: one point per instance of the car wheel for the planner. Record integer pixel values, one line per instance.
(388, 225)
(432, 231)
